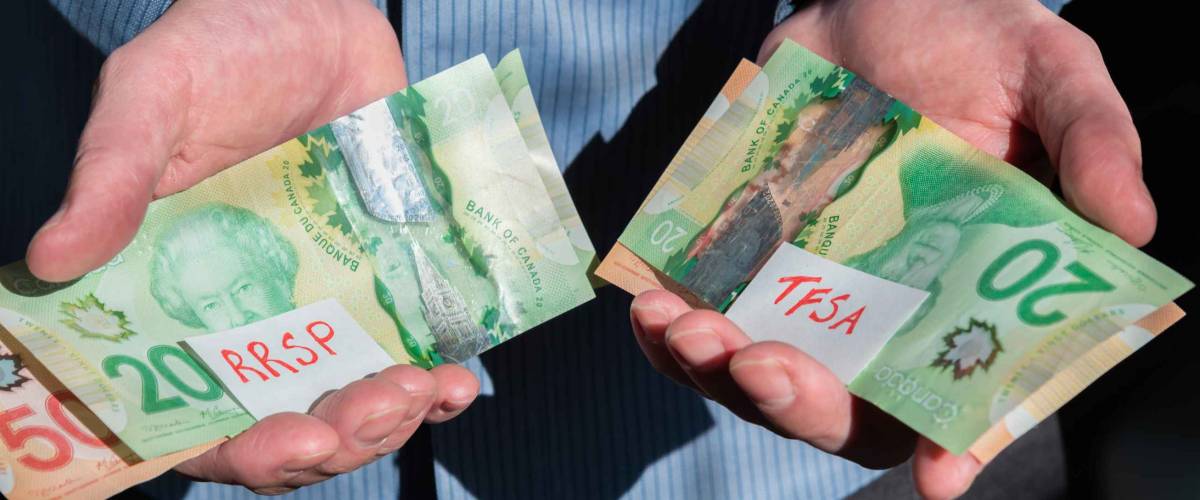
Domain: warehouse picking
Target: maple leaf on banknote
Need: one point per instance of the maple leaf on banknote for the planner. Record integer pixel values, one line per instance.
(92, 319)
(975, 346)
(10, 372)
(311, 170)
(906, 118)
(899, 198)
(324, 204)
(291, 229)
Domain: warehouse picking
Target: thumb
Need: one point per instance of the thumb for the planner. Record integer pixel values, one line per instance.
(137, 115)
(1089, 133)
(939, 474)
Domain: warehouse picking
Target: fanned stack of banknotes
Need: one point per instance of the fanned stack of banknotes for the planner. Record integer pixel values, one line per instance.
(939, 283)
(423, 228)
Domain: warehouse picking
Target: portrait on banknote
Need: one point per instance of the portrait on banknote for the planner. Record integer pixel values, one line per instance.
(221, 267)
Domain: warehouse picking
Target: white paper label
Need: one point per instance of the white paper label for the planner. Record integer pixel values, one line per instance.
(286, 362)
(838, 315)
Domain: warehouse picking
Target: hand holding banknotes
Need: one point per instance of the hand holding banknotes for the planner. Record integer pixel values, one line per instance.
(1012, 79)
(208, 85)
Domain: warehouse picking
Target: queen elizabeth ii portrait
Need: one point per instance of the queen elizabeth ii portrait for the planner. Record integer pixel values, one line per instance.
(222, 266)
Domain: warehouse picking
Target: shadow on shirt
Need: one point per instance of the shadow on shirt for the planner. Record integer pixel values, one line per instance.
(581, 412)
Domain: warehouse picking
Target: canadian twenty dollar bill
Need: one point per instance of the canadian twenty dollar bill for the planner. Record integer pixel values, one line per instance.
(52, 447)
(423, 214)
(804, 153)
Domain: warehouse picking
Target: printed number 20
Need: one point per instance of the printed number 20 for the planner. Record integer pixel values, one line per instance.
(665, 234)
(1088, 281)
(151, 402)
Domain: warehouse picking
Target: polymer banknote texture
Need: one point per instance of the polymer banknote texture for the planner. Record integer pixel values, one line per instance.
(435, 217)
(804, 153)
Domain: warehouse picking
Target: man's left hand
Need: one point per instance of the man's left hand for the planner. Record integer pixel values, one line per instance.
(1008, 76)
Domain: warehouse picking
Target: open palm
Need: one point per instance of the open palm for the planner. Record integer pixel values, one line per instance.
(209, 84)
(1008, 76)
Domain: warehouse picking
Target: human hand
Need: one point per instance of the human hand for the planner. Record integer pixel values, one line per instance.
(360, 423)
(785, 390)
(207, 85)
(210, 84)
(1010, 77)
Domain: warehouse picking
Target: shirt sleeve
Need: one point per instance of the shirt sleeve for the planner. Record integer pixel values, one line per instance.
(110, 23)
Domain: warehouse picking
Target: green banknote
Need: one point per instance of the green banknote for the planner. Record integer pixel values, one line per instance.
(802, 152)
(510, 73)
(475, 212)
(423, 214)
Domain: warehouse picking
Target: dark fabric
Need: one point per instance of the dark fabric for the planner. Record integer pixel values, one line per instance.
(1133, 434)
(1033, 468)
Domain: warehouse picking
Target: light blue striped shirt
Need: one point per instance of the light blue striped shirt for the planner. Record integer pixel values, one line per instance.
(572, 409)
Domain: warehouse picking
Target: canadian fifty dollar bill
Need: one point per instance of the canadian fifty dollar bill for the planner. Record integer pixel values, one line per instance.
(804, 153)
(435, 217)
(53, 447)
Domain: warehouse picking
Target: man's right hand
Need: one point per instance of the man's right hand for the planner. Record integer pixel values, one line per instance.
(209, 84)
(212, 83)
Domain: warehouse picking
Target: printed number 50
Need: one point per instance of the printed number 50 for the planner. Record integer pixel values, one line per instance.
(665, 234)
(16, 439)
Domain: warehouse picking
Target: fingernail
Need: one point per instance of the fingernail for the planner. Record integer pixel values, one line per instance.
(301, 464)
(417, 405)
(375, 428)
(644, 314)
(766, 382)
(696, 347)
